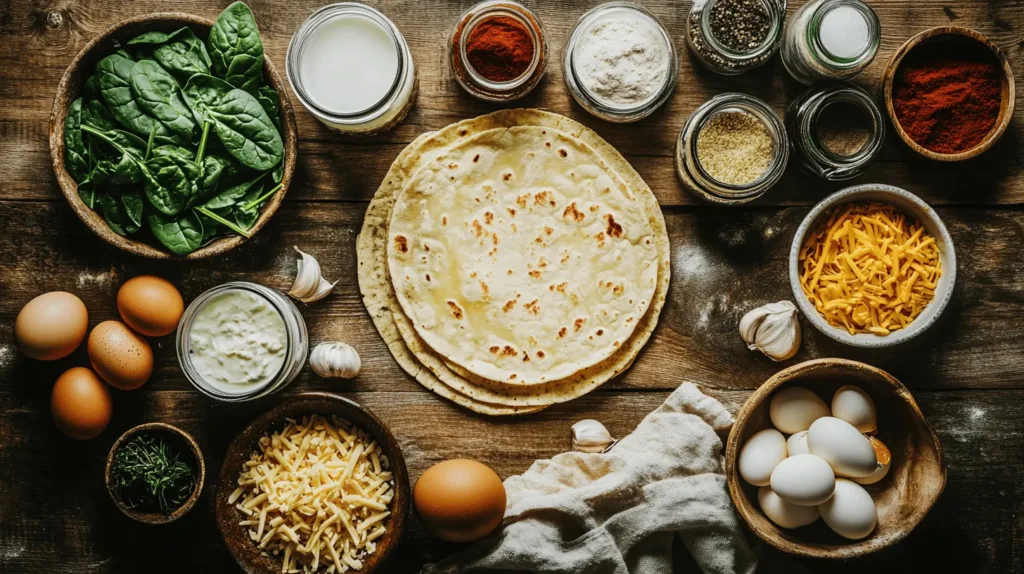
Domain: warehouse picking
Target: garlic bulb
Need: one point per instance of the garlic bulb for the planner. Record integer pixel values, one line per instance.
(772, 329)
(335, 360)
(589, 435)
(309, 286)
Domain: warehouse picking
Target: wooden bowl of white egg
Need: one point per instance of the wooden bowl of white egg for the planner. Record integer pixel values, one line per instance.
(832, 458)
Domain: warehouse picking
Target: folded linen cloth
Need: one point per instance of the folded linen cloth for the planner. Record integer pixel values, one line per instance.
(617, 512)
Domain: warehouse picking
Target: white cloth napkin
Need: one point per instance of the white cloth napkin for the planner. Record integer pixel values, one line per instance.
(617, 512)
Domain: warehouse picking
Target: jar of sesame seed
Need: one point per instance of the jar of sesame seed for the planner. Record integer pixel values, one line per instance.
(734, 36)
(732, 149)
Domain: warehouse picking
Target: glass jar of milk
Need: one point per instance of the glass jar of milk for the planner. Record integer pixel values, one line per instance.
(240, 341)
(352, 69)
(830, 40)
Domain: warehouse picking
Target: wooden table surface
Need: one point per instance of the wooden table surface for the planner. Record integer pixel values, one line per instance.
(967, 373)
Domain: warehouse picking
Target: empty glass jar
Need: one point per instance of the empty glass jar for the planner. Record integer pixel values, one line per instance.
(830, 40)
(741, 131)
(837, 130)
(734, 36)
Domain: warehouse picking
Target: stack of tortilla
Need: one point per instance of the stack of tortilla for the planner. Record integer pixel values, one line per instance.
(513, 261)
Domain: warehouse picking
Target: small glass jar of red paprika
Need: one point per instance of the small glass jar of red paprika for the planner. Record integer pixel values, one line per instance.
(498, 51)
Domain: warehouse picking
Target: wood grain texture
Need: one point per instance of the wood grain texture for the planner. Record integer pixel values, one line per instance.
(967, 373)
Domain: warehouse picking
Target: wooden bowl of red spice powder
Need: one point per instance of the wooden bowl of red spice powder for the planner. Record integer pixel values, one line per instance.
(949, 93)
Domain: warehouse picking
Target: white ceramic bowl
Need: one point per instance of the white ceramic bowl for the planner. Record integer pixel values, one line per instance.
(911, 205)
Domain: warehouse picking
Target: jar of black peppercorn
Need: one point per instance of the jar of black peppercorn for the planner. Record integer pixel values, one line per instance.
(734, 36)
(498, 51)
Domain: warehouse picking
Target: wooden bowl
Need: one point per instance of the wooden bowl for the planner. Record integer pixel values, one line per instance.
(174, 436)
(902, 499)
(909, 204)
(961, 35)
(70, 88)
(246, 553)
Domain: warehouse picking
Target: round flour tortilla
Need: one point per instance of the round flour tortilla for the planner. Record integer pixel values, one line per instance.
(521, 256)
(428, 367)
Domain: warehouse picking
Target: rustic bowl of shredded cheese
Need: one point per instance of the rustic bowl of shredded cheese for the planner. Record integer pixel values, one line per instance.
(872, 266)
(317, 484)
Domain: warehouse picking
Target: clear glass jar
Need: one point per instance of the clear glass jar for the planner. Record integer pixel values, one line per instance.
(474, 82)
(696, 178)
(296, 345)
(805, 51)
(594, 103)
(381, 116)
(817, 155)
(721, 58)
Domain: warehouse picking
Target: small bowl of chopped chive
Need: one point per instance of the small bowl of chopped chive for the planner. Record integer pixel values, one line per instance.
(155, 473)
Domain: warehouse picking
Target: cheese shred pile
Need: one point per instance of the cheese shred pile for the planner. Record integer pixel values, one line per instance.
(316, 495)
(869, 268)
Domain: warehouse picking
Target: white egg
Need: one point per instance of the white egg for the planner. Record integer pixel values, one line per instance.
(841, 445)
(797, 444)
(850, 512)
(804, 480)
(793, 409)
(884, 461)
(783, 513)
(853, 405)
(760, 455)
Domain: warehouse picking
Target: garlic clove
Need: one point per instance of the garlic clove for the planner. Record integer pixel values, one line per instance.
(309, 285)
(335, 360)
(773, 329)
(591, 436)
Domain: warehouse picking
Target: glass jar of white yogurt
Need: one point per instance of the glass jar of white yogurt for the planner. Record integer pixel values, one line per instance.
(240, 341)
(352, 69)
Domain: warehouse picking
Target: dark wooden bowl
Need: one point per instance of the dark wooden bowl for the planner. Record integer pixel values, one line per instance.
(248, 556)
(69, 89)
(175, 437)
(915, 480)
(951, 34)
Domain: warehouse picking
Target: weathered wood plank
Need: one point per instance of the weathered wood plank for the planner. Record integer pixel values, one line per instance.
(58, 517)
(725, 262)
(41, 41)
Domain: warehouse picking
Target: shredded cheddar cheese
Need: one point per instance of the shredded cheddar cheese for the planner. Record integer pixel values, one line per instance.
(869, 268)
(316, 495)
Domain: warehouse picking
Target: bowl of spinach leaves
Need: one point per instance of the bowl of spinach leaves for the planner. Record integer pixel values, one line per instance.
(172, 136)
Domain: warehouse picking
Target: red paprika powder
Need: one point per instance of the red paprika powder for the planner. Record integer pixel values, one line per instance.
(500, 49)
(947, 95)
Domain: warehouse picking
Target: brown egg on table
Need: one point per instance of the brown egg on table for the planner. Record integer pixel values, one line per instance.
(80, 404)
(51, 326)
(460, 500)
(120, 356)
(150, 305)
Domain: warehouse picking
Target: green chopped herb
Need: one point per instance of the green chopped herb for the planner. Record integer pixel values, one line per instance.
(149, 475)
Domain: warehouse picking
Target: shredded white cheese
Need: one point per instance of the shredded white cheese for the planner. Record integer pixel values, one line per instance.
(316, 495)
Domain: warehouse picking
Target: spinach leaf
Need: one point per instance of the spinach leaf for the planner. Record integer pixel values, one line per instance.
(133, 205)
(123, 172)
(114, 213)
(120, 140)
(76, 155)
(91, 90)
(115, 73)
(180, 235)
(231, 195)
(156, 93)
(96, 115)
(214, 168)
(173, 150)
(211, 229)
(185, 56)
(172, 181)
(87, 193)
(236, 49)
(154, 37)
(239, 121)
(278, 174)
(271, 102)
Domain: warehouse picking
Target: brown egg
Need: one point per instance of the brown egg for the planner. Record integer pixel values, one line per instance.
(51, 326)
(80, 404)
(120, 356)
(460, 500)
(150, 305)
